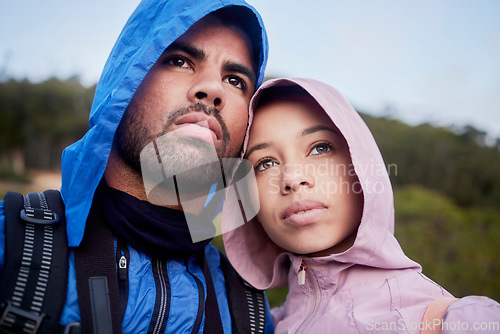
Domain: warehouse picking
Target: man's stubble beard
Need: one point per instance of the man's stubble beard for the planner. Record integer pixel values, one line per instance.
(178, 153)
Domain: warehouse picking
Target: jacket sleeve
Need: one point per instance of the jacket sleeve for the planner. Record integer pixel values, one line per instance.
(278, 313)
(472, 314)
(2, 234)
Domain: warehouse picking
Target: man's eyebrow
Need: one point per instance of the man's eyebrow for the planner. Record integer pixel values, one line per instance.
(317, 128)
(241, 69)
(257, 147)
(193, 51)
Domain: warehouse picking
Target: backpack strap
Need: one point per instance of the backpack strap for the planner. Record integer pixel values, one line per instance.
(97, 277)
(246, 303)
(434, 314)
(213, 322)
(36, 263)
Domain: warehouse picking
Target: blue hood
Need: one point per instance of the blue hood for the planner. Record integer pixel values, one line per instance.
(153, 26)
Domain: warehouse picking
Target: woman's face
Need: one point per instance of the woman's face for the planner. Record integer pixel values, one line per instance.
(311, 201)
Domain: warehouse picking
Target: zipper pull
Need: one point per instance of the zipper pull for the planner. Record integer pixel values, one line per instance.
(302, 273)
(122, 268)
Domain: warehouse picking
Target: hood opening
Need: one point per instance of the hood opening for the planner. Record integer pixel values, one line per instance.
(151, 28)
(374, 245)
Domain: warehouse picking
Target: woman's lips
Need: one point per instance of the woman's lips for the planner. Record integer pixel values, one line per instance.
(304, 212)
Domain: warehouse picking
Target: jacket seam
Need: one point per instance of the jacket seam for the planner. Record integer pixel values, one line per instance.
(434, 283)
(351, 306)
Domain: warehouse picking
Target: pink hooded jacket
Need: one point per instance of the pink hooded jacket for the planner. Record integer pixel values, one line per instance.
(373, 287)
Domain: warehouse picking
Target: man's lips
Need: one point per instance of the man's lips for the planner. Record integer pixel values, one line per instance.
(303, 212)
(202, 121)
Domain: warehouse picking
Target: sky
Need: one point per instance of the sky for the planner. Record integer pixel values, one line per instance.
(434, 61)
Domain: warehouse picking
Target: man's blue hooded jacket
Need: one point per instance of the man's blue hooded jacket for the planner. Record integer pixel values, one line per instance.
(153, 26)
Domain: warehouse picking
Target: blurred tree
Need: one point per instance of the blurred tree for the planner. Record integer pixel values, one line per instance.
(459, 165)
(12, 119)
(41, 119)
(457, 248)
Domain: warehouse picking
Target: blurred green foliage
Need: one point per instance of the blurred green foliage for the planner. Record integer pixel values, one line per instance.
(457, 247)
(41, 119)
(456, 163)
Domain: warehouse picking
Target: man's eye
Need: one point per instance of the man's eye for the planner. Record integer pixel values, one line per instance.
(178, 61)
(321, 149)
(235, 81)
(266, 164)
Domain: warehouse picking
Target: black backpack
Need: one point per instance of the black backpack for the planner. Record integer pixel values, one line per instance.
(34, 277)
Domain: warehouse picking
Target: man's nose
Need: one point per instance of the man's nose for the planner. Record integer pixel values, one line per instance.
(208, 88)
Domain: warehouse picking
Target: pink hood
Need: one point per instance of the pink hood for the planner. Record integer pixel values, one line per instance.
(373, 287)
(265, 265)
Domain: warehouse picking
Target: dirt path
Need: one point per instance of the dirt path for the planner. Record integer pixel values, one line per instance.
(41, 180)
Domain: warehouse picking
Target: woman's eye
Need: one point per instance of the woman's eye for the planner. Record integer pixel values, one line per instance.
(266, 164)
(236, 82)
(178, 61)
(321, 149)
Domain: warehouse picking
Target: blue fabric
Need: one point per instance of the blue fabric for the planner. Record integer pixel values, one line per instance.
(142, 293)
(153, 26)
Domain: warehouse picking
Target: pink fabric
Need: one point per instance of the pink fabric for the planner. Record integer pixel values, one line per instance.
(373, 286)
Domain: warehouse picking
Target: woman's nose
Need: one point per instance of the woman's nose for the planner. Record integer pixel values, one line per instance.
(294, 178)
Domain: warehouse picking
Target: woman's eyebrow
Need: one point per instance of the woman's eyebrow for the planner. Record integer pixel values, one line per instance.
(317, 128)
(257, 147)
(304, 132)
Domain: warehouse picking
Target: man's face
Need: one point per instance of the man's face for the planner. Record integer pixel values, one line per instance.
(198, 91)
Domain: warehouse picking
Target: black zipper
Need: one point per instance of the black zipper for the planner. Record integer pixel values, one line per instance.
(201, 300)
(161, 311)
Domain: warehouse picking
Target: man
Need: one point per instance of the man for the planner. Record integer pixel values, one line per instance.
(187, 68)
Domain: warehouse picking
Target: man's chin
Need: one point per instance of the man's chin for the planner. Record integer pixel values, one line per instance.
(195, 147)
(188, 186)
(188, 159)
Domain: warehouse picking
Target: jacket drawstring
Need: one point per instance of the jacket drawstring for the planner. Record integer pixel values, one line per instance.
(302, 273)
